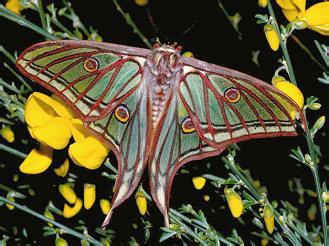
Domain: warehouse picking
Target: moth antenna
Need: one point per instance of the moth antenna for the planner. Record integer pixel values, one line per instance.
(155, 28)
(189, 29)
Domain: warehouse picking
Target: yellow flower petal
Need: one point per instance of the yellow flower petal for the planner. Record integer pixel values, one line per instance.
(262, 3)
(272, 37)
(79, 132)
(67, 192)
(14, 6)
(234, 202)
(69, 211)
(141, 2)
(105, 206)
(141, 202)
(37, 161)
(88, 152)
(269, 218)
(317, 17)
(56, 133)
(38, 110)
(298, 5)
(199, 182)
(290, 90)
(89, 195)
(291, 15)
(8, 134)
(62, 170)
(61, 108)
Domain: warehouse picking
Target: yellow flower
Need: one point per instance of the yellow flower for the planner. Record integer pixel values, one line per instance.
(89, 195)
(37, 161)
(272, 37)
(88, 152)
(290, 90)
(69, 211)
(234, 202)
(67, 192)
(188, 54)
(60, 242)
(14, 6)
(62, 170)
(199, 182)
(269, 218)
(262, 3)
(316, 17)
(141, 2)
(141, 202)
(53, 124)
(8, 134)
(105, 206)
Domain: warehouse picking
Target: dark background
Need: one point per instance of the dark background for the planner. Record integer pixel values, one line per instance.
(212, 40)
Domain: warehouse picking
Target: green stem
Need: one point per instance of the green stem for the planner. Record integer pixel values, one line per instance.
(59, 225)
(42, 15)
(7, 54)
(258, 197)
(62, 27)
(283, 45)
(23, 22)
(29, 88)
(315, 173)
(322, 53)
(132, 24)
(308, 52)
(12, 151)
(9, 87)
(228, 17)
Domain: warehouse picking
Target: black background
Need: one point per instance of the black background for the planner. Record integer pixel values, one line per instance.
(212, 40)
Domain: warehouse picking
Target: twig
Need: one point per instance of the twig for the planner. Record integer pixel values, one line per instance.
(13, 151)
(23, 22)
(131, 23)
(283, 45)
(59, 225)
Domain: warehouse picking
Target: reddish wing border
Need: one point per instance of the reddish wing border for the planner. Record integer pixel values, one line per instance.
(120, 50)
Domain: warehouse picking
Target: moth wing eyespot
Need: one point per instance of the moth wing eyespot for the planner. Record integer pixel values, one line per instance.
(90, 64)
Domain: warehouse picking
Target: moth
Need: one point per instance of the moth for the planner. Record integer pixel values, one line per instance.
(157, 108)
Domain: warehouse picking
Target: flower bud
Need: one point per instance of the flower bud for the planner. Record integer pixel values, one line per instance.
(308, 158)
(206, 198)
(8, 134)
(69, 212)
(234, 202)
(60, 242)
(89, 195)
(105, 206)
(269, 218)
(67, 192)
(199, 182)
(272, 37)
(62, 170)
(314, 106)
(49, 215)
(325, 196)
(262, 3)
(141, 202)
(9, 206)
(319, 123)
